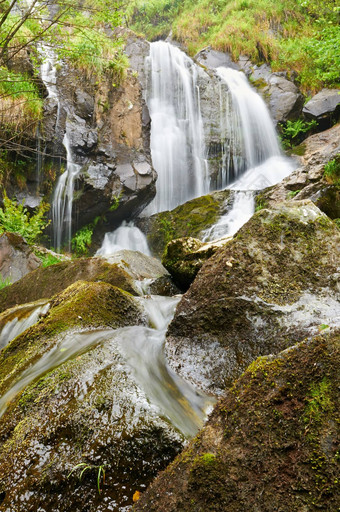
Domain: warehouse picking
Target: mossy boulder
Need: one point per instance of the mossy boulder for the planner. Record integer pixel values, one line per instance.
(71, 402)
(190, 219)
(183, 258)
(270, 444)
(275, 282)
(43, 283)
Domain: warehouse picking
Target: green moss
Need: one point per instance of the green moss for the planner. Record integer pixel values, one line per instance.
(187, 220)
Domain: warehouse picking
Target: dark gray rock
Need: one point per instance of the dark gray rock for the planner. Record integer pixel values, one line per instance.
(324, 104)
(84, 104)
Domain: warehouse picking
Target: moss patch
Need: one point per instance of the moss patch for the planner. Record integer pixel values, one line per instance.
(187, 220)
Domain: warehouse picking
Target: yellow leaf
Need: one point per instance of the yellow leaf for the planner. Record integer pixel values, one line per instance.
(136, 496)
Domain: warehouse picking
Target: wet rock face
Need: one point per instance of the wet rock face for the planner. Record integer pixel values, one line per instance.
(81, 406)
(308, 181)
(108, 129)
(284, 99)
(16, 257)
(270, 443)
(273, 284)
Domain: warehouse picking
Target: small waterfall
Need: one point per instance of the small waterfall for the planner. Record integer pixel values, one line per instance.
(127, 236)
(177, 142)
(17, 320)
(63, 200)
(246, 127)
(252, 158)
(241, 211)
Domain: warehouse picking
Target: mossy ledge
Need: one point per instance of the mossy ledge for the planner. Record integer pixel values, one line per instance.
(43, 283)
(270, 444)
(187, 220)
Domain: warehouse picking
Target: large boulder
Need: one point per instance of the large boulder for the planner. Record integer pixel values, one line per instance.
(43, 283)
(273, 284)
(73, 407)
(16, 257)
(324, 105)
(270, 443)
(190, 219)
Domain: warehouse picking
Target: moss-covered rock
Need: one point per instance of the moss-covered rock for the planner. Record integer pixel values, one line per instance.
(273, 284)
(183, 258)
(43, 283)
(270, 444)
(190, 219)
(70, 402)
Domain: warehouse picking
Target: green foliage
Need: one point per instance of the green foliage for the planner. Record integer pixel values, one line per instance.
(4, 282)
(332, 171)
(15, 218)
(167, 229)
(115, 202)
(293, 132)
(292, 193)
(82, 240)
(49, 259)
(84, 467)
(303, 36)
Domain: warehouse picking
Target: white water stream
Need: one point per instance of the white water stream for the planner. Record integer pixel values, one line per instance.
(142, 351)
(177, 141)
(127, 236)
(261, 164)
(63, 200)
(16, 320)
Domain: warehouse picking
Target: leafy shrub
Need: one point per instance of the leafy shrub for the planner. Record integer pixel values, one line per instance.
(48, 260)
(82, 240)
(332, 171)
(293, 132)
(15, 218)
(4, 282)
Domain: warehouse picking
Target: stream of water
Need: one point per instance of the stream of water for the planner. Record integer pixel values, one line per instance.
(142, 350)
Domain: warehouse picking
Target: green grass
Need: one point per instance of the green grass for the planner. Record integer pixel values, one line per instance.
(291, 35)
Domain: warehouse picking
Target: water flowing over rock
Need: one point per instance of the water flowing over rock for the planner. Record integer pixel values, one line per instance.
(127, 236)
(276, 281)
(91, 398)
(260, 447)
(177, 140)
(308, 180)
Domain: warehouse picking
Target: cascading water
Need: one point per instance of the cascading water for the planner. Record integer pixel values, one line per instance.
(63, 200)
(127, 236)
(142, 353)
(177, 141)
(16, 320)
(252, 159)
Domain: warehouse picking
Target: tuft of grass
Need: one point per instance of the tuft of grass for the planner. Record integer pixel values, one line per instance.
(4, 282)
(332, 171)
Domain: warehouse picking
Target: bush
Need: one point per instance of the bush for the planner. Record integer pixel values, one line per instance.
(293, 132)
(15, 218)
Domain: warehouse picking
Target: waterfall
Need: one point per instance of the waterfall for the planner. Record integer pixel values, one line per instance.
(252, 159)
(177, 141)
(246, 127)
(127, 236)
(63, 200)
